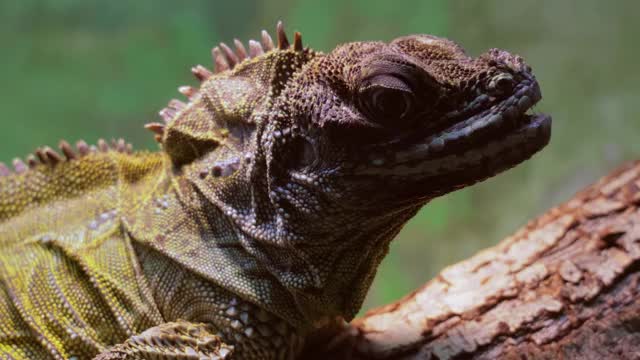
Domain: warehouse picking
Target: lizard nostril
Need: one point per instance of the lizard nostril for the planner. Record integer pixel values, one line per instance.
(501, 84)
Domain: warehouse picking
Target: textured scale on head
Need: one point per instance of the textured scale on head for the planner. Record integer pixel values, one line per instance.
(320, 159)
(279, 185)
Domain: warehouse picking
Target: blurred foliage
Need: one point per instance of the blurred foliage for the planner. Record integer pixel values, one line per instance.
(75, 69)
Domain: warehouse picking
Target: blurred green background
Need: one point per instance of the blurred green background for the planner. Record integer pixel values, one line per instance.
(87, 69)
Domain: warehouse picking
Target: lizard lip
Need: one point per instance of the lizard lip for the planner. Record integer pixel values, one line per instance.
(489, 127)
(490, 124)
(493, 139)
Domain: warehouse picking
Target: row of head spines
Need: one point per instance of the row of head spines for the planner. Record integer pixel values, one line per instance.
(50, 157)
(225, 59)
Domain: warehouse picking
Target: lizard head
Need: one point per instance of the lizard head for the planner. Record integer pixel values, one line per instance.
(318, 160)
(416, 117)
(364, 136)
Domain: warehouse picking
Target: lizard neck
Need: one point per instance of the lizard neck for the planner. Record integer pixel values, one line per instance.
(188, 236)
(192, 251)
(325, 260)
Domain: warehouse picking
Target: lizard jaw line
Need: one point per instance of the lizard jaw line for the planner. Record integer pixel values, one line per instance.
(495, 122)
(506, 151)
(483, 126)
(479, 139)
(479, 129)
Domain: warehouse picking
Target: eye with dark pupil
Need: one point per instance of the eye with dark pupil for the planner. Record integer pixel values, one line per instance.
(387, 99)
(390, 103)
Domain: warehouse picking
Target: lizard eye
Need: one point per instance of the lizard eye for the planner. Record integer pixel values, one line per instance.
(386, 99)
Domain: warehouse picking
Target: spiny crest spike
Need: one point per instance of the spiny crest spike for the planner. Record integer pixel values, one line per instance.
(67, 150)
(283, 42)
(232, 59)
(52, 156)
(155, 127)
(297, 41)
(267, 42)
(220, 64)
(82, 147)
(32, 161)
(4, 170)
(201, 72)
(102, 145)
(19, 166)
(41, 156)
(121, 146)
(241, 52)
(177, 104)
(255, 49)
(167, 114)
(187, 91)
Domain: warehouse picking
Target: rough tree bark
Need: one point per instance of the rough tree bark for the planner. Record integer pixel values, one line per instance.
(563, 287)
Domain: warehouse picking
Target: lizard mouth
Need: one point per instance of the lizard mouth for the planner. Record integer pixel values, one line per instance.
(499, 121)
(492, 136)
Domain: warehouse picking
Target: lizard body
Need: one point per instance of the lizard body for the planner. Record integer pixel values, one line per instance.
(265, 215)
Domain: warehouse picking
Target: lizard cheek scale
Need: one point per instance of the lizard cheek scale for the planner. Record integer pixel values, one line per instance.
(278, 185)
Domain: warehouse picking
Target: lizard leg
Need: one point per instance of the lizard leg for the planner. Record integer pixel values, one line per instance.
(180, 339)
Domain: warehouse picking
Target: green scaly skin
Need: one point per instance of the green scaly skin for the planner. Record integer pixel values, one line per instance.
(265, 215)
